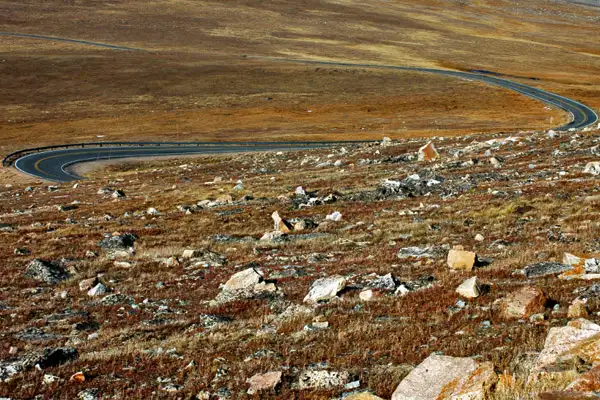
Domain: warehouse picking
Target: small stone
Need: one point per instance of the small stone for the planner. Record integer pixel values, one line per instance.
(592, 167)
(577, 310)
(87, 284)
(267, 381)
(366, 295)
(97, 290)
(322, 379)
(50, 379)
(334, 216)
(479, 237)
(13, 350)
(469, 288)
(77, 377)
(117, 194)
(280, 225)
(428, 152)
(538, 270)
(386, 141)
(461, 259)
(152, 211)
(324, 289)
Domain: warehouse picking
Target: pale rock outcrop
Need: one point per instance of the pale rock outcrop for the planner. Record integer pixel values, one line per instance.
(325, 289)
(443, 377)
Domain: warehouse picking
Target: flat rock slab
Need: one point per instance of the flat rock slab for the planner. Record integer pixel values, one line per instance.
(539, 270)
(442, 377)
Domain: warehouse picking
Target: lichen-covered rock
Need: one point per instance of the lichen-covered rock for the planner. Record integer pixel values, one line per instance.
(566, 346)
(49, 272)
(442, 377)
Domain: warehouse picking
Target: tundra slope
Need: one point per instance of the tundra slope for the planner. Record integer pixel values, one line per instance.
(170, 287)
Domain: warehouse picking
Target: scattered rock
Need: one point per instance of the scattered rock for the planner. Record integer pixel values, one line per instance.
(442, 377)
(49, 272)
(280, 225)
(267, 381)
(523, 303)
(334, 216)
(592, 167)
(577, 310)
(322, 379)
(461, 259)
(324, 289)
(97, 290)
(428, 152)
(243, 280)
(469, 288)
(545, 269)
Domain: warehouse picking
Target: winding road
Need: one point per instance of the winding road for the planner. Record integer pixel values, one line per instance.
(52, 164)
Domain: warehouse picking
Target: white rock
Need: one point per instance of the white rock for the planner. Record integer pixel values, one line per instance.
(479, 237)
(245, 279)
(334, 216)
(469, 288)
(325, 289)
(152, 211)
(50, 379)
(97, 290)
(300, 191)
(592, 167)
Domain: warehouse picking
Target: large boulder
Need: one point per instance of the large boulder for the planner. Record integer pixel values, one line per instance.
(523, 303)
(443, 377)
(49, 272)
(578, 341)
(325, 289)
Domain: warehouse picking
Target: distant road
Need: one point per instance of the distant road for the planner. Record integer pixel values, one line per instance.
(75, 41)
(53, 165)
(50, 165)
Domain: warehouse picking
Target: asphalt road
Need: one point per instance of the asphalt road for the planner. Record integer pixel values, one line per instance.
(51, 165)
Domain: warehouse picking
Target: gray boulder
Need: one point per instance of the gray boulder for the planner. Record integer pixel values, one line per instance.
(49, 272)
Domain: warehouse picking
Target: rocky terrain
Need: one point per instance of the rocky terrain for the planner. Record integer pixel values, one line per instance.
(461, 268)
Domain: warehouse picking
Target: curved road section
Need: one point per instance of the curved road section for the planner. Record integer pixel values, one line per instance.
(53, 165)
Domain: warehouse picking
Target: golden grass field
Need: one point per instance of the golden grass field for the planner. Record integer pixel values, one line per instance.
(191, 81)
